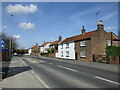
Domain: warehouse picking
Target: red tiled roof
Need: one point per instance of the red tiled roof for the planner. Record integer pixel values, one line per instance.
(54, 43)
(79, 37)
(113, 35)
(44, 43)
(84, 36)
(33, 47)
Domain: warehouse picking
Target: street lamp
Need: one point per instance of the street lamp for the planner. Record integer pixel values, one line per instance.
(10, 44)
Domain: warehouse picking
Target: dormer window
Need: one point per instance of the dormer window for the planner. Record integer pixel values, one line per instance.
(67, 45)
(82, 43)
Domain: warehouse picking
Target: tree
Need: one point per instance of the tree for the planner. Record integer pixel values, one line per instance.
(11, 43)
(7, 39)
(36, 49)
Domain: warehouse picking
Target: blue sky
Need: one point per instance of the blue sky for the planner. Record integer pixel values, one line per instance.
(45, 21)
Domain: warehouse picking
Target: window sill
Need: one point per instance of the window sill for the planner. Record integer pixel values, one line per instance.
(83, 46)
(83, 57)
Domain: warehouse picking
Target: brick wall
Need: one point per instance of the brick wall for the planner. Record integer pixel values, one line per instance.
(86, 48)
(114, 59)
(4, 56)
(98, 42)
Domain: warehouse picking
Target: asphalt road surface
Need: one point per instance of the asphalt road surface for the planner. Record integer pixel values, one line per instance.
(60, 74)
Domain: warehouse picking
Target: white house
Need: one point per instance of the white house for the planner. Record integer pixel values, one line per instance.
(44, 47)
(66, 50)
(29, 51)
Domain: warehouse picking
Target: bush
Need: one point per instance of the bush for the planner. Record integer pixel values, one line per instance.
(113, 51)
(52, 50)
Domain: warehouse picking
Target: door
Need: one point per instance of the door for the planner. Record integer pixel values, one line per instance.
(76, 56)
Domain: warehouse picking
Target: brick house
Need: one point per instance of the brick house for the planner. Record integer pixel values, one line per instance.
(91, 43)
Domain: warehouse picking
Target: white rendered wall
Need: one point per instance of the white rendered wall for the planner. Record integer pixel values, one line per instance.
(70, 49)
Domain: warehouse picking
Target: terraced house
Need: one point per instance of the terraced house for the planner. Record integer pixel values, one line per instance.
(87, 45)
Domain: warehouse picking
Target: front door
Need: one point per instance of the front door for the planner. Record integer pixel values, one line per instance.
(76, 56)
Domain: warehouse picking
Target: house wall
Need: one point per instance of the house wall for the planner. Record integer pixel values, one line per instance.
(98, 42)
(116, 43)
(41, 49)
(29, 51)
(86, 48)
(44, 48)
(70, 49)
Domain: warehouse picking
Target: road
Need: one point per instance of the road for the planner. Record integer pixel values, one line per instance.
(65, 74)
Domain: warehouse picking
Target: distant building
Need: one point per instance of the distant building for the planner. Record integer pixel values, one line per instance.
(88, 44)
(44, 47)
(54, 46)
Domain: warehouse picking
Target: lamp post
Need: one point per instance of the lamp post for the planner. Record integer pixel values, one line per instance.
(10, 42)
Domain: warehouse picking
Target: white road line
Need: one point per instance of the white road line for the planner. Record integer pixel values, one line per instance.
(67, 68)
(22, 61)
(50, 63)
(42, 61)
(107, 80)
(35, 75)
(40, 80)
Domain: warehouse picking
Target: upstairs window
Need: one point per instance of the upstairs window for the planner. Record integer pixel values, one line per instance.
(67, 53)
(109, 42)
(82, 43)
(67, 45)
(82, 54)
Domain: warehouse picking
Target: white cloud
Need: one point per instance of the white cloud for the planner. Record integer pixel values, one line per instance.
(26, 26)
(20, 9)
(4, 27)
(17, 36)
(110, 28)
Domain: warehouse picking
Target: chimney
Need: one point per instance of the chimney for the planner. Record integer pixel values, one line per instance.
(100, 25)
(83, 30)
(60, 38)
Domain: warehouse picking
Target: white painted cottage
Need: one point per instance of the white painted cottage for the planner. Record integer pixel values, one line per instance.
(66, 50)
(44, 47)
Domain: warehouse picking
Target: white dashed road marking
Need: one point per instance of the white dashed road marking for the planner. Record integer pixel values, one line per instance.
(36, 75)
(107, 80)
(67, 68)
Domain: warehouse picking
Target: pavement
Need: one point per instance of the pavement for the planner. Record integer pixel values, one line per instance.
(44, 72)
(20, 76)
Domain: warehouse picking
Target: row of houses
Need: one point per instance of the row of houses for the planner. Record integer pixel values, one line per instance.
(46, 47)
(85, 46)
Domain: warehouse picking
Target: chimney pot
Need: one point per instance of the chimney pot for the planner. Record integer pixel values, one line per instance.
(100, 25)
(83, 30)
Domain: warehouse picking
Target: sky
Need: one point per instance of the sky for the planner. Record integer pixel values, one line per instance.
(36, 22)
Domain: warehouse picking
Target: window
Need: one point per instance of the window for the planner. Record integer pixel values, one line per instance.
(61, 46)
(67, 53)
(82, 43)
(67, 45)
(61, 53)
(109, 42)
(82, 54)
